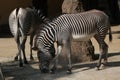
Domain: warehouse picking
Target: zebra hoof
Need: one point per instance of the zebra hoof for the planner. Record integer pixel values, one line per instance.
(16, 58)
(26, 62)
(34, 48)
(69, 71)
(31, 58)
(21, 65)
(44, 71)
(52, 71)
(104, 66)
(96, 68)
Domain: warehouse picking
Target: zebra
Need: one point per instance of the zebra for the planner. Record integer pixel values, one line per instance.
(24, 21)
(71, 27)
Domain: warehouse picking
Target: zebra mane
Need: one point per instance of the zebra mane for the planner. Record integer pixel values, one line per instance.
(47, 24)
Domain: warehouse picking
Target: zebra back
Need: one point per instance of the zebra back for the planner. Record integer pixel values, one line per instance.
(29, 17)
(86, 23)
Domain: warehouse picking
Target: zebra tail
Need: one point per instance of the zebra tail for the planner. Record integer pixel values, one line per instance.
(17, 22)
(17, 18)
(110, 35)
(17, 9)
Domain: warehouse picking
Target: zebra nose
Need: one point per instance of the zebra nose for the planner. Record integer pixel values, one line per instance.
(44, 70)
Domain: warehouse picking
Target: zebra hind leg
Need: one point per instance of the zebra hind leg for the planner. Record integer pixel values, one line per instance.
(25, 60)
(67, 45)
(105, 54)
(16, 58)
(20, 58)
(31, 44)
(23, 49)
(103, 51)
(17, 39)
(20, 62)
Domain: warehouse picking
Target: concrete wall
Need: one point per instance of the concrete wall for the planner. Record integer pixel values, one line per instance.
(54, 7)
(6, 6)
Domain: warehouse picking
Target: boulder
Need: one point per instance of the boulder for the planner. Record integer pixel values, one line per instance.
(80, 50)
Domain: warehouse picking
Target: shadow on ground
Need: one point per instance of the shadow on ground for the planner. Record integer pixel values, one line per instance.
(31, 71)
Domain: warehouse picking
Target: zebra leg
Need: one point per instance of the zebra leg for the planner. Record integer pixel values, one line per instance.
(53, 67)
(91, 50)
(20, 59)
(17, 39)
(20, 56)
(55, 60)
(31, 44)
(68, 50)
(103, 51)
(23, 48)
(105, 48)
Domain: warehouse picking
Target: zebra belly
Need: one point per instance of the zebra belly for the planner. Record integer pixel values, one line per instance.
(83, 37)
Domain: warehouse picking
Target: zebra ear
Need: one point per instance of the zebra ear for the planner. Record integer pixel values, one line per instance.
(40, 13)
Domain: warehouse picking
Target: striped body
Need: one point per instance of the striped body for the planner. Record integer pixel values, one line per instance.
(77, 27)
(27, 17)
(24, 21)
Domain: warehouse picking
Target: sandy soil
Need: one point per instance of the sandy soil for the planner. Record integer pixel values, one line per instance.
(81, 71)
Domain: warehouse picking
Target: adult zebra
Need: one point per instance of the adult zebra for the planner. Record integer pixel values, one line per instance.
(67, 27)
(24, 21)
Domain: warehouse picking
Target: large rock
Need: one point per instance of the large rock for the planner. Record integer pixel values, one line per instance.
(80, 50)
(72, 6)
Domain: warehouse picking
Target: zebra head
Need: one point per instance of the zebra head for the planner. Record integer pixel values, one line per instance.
(45, 56)
(45, 46)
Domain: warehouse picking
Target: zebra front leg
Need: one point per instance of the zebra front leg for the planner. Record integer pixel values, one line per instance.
(68, 50)
(55, 60)
(31, 44)
(69, 65)
(53, 67)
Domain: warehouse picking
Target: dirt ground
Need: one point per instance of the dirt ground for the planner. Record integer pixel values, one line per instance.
(81, 71)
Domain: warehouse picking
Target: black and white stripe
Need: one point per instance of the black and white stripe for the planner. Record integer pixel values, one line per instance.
(77, 27)
(24, 21)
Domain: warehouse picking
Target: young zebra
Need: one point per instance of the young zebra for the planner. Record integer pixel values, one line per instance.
(24, 21)
(67, 27)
